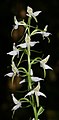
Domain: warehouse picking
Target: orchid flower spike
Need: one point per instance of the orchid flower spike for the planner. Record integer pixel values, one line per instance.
(32, 14)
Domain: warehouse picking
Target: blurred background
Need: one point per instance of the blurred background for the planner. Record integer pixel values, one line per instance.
(50, 17)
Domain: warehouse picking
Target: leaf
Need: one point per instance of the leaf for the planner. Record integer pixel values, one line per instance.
(40, 111)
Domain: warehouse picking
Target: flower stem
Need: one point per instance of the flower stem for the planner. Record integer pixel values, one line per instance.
(35, 112)
(29, 77)
(29, 65)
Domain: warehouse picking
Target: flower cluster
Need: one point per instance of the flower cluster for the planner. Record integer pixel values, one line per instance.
(33, 93)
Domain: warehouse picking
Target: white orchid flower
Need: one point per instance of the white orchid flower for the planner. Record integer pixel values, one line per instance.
(22, 23)
(14, 52)
(32, 14)
(44, 33)
(36, 92)
(27, 42)
(16, 102)
(14, 70)
(18, 23)
(43, 63)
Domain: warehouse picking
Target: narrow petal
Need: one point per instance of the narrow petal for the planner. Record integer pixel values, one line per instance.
(29, 93)
(15, 100)
(37, 13)
(40, 94)
(23, 45)
(36, 79)
(9, 74)
(45, 60)
(31, 72)
(22, 81)
(45, 29)
(16, 106)
(15, 20)
(47, 67)
(12, 53)
(33, 43)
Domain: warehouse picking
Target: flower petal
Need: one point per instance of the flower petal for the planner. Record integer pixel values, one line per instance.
(46, 34)
(29, 93)
(45, 60)
(23, 45)
(9, 74)
(22, 81)
(37, 13)
(31, 72)
(36, 79)
(17, 106)
(15, 100)
(47, 67)
(33, 43)
(45, 29)
(40, 94)
(12, 53)
(29, 10)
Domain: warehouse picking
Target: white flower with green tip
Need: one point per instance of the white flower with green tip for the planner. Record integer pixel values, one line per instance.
(43, 63)
(14, 70)
(44, 32)
(32, 14)
(16, 102)
(36, 92)
(18, 23)
(27, 42)
(14, 52)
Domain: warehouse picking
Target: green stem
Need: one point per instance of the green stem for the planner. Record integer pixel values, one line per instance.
(35, 112)
(29, 65)
(29, 77)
